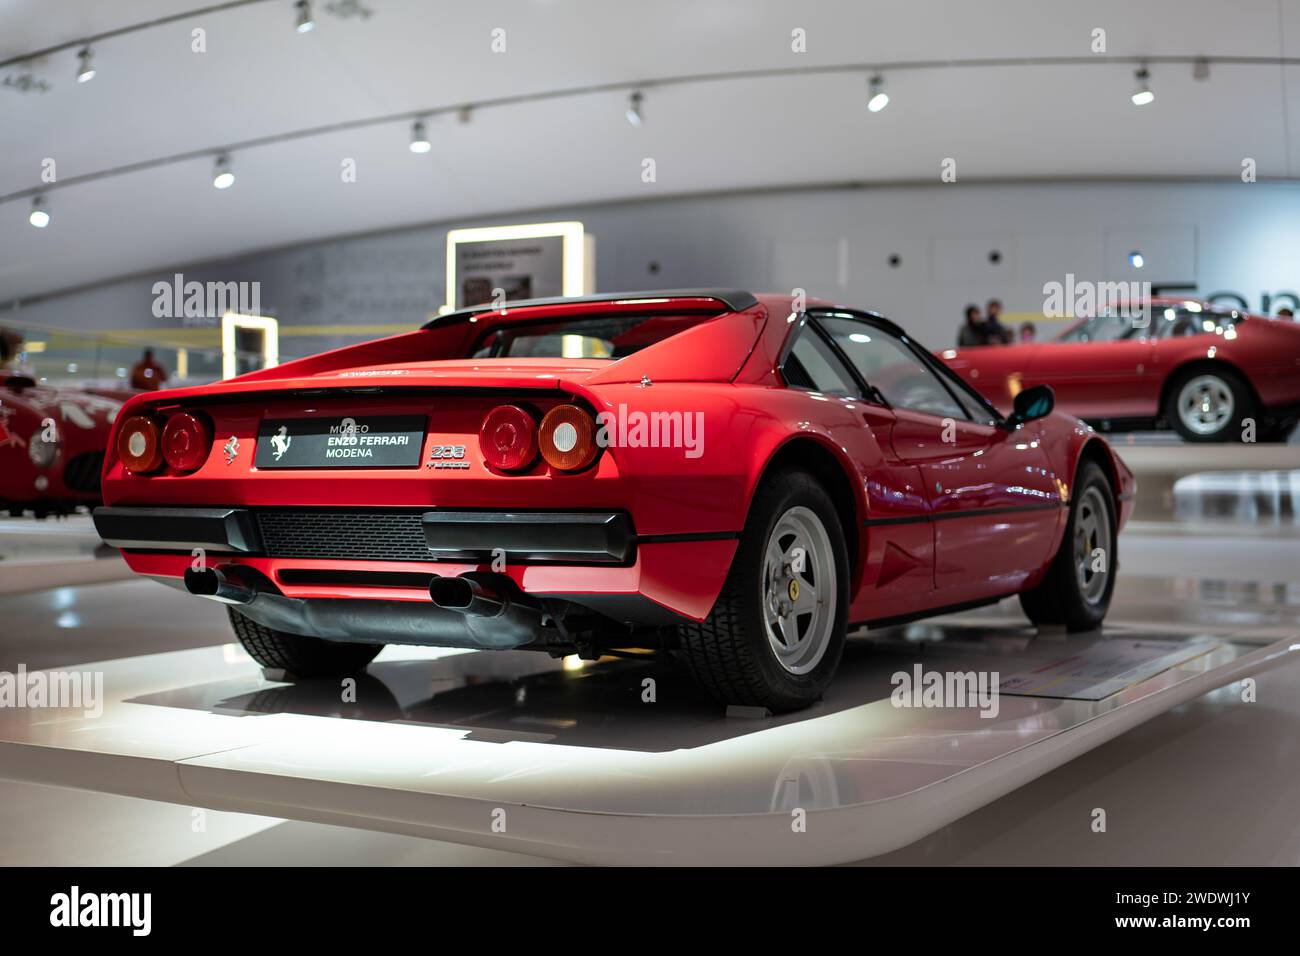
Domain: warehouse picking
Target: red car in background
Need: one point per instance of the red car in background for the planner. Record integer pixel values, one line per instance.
(1197, 368)
(707, 474)
(52, 443)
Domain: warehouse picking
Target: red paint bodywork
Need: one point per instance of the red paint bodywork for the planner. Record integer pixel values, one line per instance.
(1126, 379)
(726, 368)
(82, 422)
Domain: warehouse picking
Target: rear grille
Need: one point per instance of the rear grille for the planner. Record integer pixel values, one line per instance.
(82, 472)
(349, 535)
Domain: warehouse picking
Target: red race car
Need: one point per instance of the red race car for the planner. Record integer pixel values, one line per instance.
(1200, 369)
(52, 445)
(705, 473)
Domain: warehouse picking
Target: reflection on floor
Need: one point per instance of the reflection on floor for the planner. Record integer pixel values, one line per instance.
(54, 551)
(1211, 759)
(1254, 498)
(76, 625)
(64, 538)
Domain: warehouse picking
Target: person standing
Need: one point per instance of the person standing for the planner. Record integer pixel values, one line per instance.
(147, 375)
(972, 331)
(995, 332)
(11, 346)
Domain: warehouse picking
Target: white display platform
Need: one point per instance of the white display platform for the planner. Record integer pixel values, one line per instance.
(576, 766)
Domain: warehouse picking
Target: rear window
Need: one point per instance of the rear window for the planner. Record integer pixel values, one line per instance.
(588, 336)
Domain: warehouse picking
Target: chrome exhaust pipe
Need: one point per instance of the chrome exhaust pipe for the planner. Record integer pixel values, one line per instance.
(217, 585)
(492, 606)
(467, 595)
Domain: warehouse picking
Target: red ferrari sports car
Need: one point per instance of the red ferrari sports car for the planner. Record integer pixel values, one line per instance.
(52, 445)
(709, 474)
(1200, 369)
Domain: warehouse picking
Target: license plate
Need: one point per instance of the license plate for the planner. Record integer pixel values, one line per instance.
(379, 441)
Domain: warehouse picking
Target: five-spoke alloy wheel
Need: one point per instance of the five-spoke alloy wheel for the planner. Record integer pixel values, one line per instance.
(1209, 405)
(775, 635)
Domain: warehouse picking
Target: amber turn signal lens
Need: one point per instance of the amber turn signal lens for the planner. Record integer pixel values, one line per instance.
(508, 438)
(568, 438)
(186, 441)
(139, 445)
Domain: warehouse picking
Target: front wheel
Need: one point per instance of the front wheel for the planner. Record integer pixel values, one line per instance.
(775, 635)
(1077, 588)
(298, 655)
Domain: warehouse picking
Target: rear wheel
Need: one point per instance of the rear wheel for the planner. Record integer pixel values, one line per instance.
(775, 635)
(1077, 588)
(1210, 405)
(298, 655)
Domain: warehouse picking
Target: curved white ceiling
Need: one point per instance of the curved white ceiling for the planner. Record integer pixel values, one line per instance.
(153, 97)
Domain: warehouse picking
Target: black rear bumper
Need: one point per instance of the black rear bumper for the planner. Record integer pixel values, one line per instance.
(392, 535)
(178, 529)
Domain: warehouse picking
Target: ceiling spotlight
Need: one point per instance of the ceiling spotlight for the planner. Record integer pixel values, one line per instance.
(634, 108)
(305, 22)
(85, 69)
(222, 177)
(1136, 259)
(39, 216)
(877, 98)
(1143, 95)
(419, 138)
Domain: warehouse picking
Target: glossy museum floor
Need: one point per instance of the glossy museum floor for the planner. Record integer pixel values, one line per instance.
(1209, 780)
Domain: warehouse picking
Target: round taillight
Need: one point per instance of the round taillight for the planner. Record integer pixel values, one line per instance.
(186, 441)
(568, 438)
(508, 438)
(139, 445)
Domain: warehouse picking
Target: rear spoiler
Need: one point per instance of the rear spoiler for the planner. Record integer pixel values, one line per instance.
(732, 300)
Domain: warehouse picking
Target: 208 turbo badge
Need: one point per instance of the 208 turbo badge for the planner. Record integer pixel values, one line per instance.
(447, 456)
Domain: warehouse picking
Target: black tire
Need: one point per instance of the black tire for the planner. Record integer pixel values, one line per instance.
(300, 656)
(729, 653)
(1279, 433)
(1244, 405)
(1059, 598)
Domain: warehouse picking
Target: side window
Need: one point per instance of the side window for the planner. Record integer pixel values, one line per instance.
(891, 367)
(812, 365)
(975, 410)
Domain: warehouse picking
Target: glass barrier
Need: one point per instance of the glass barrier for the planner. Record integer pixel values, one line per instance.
(105, 361)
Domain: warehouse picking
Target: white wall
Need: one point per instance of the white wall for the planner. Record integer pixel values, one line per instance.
(835, 243)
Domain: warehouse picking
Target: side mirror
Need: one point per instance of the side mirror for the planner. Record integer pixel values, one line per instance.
(1031, 403)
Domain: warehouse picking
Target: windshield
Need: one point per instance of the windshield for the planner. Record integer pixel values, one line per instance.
(599, 336)
(1167, 322)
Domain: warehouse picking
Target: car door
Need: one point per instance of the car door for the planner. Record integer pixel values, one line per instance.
(994, 505)
(898, 557)
(1100, 370)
